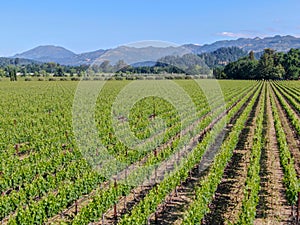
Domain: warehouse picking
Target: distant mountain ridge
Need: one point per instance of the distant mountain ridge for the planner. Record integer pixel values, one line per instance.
(278, 43)
(132, 55)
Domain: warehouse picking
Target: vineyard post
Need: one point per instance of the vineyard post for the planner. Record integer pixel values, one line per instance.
(155, 173)
(292, 212)
(125, 202)
(117, 168)
(149, 177)
(115, 211)
(298, 207)
(154, 110)
(126, 174)
(76, 207)
(115, 205)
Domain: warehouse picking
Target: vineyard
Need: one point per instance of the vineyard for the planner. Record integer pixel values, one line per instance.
(196, 153)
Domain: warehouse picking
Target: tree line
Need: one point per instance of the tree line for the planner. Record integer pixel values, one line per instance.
(15, 68)
(271, 65)
(227, 63)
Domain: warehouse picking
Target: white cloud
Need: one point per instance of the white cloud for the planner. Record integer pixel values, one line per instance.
(234, 35)
(267, 32)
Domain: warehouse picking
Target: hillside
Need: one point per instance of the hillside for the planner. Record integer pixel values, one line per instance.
(4, 61)
(278, 43)
(133, 55)
(222, 56)
(49, 53)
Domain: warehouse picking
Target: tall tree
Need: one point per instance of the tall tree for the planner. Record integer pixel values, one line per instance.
(251, 56)
(291, 64)
(59, 72)
(266, 64)
(12, 73)
(2, 73)
(24, 71)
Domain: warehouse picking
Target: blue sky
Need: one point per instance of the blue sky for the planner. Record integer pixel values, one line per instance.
(90, 24)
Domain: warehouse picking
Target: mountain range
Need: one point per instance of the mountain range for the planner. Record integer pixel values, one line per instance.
(133, 55)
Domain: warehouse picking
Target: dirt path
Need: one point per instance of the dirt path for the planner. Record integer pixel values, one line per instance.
(296, 112)
(227, 203)
(273, 207)
(291, 135)
(176, 203)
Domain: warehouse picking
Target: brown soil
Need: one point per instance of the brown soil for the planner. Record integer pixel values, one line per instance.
(227, 203)
(273, 207)
(291, 135)
(297, 113)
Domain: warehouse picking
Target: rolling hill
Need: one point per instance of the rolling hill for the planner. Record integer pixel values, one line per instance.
(133, 55)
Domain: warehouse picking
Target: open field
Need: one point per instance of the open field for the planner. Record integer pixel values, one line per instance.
(228, 153)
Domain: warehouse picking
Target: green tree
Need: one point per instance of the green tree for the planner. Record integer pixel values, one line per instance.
(119, 65)
(293, 72)
(105, 66)
(72, 72)
(43, 73)
(278, 72)
(251, 56)
(219, 73)
(265, 65)
(291, 63)
(24, 71)
(12, 73)
(59, 72)
(244, 68)
(52, 67)
(17, 61)
(2, 73)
